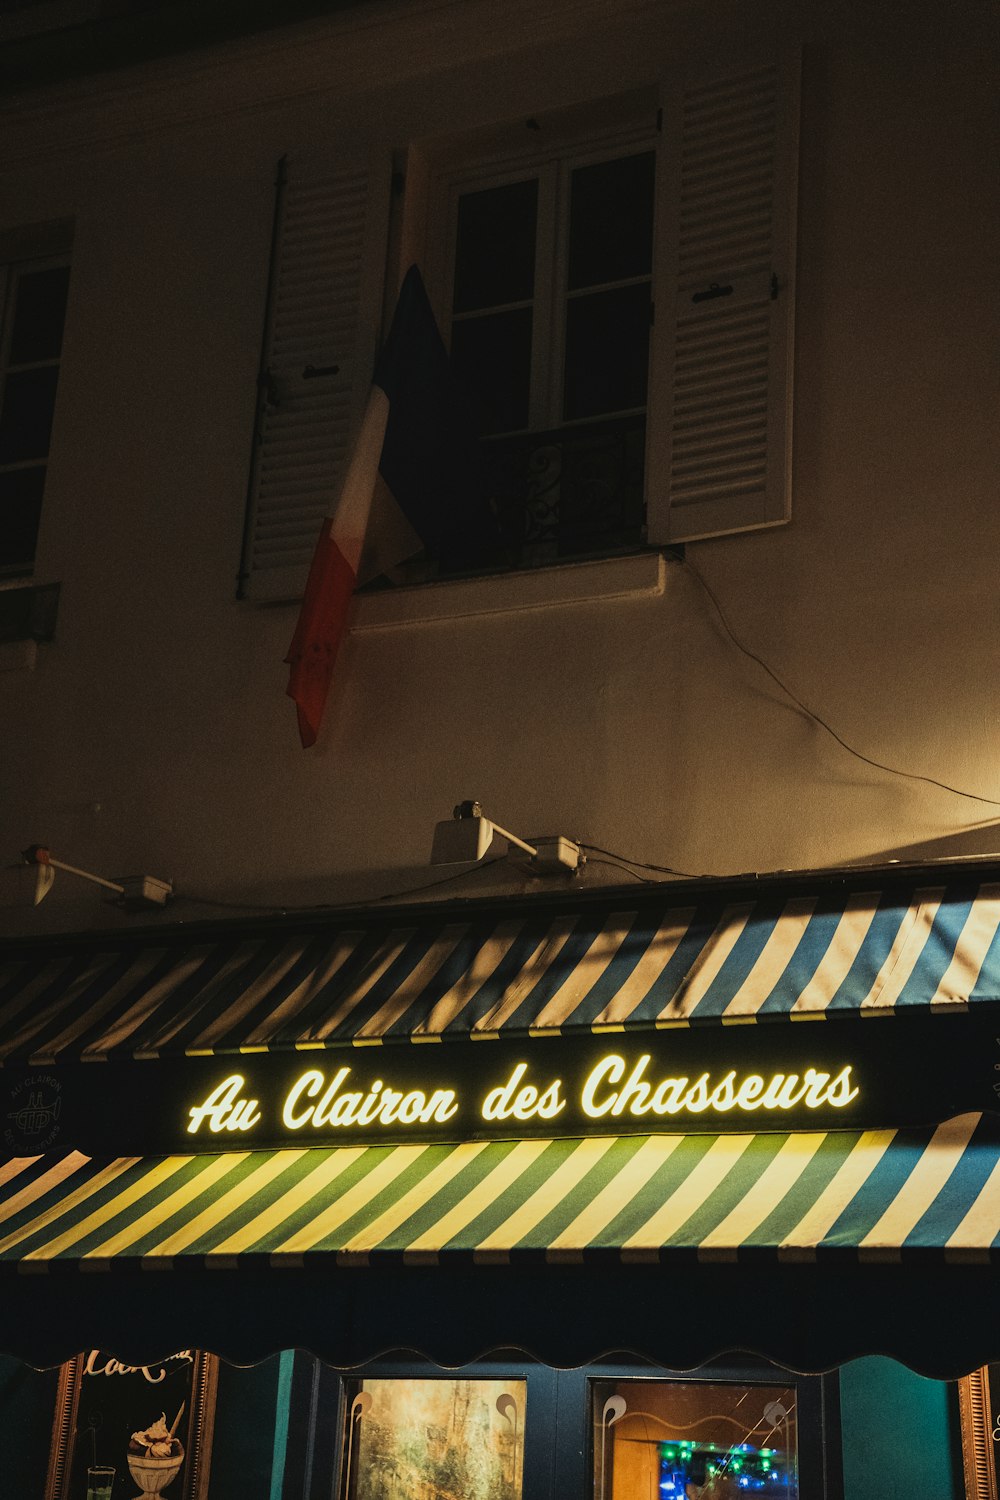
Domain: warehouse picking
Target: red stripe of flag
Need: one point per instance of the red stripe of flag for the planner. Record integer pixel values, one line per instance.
(333, 574)
(321, 624)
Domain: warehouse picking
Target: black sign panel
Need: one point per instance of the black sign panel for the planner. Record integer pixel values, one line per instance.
(822, 1075)
(133, 1425)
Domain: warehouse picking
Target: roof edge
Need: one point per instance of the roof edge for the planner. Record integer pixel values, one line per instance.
(747, 886)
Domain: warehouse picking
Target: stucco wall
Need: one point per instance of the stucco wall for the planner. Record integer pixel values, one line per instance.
(154, 735)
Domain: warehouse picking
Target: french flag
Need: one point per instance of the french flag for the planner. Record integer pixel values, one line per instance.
(416, 440)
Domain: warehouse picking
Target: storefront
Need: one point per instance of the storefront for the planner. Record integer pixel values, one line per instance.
(590, 1142)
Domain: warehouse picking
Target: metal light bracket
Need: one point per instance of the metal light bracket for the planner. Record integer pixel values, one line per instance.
(467, 835)
(137, 892)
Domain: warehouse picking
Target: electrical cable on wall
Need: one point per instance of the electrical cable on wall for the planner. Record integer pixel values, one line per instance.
(280, 910)
(625, 862)
(607, 857)
(816, 718)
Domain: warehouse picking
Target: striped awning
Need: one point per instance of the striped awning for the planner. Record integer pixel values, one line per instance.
(663, 960)
(864, 1196)
(808, 1249)
(802, 1248)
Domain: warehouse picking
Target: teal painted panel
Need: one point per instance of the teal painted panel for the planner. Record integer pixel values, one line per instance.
(283, 1398)
(27, 1406)
(899, 1432)
(243, 1450)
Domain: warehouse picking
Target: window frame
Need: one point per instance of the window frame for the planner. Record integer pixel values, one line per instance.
(559, 1428)
(516, 147)
(552, 294)
(539, 1473)
(435, 172)
(13, 268)
(816, 1411)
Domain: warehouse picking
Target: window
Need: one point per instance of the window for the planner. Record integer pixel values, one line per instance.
(615, 283)
(680, 1439)
(435, 1437)
(34, 292)
(621, 1430)
(550, 307)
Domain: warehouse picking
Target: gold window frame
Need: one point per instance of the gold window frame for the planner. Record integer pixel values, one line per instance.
(979, 1424)
(198, 1446)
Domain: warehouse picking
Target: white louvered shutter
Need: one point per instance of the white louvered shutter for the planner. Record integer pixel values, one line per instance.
(719, 439)
(321, 339)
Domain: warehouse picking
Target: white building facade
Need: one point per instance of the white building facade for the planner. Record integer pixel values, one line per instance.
(600, 699)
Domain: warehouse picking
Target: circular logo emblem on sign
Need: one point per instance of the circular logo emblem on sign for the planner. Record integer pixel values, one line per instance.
(32, 1116)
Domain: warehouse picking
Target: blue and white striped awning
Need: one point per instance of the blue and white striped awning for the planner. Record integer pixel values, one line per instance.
(654, 962)
(843, 1195)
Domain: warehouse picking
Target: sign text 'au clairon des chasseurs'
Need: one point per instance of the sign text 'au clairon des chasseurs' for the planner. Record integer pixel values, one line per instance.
(614, 1090)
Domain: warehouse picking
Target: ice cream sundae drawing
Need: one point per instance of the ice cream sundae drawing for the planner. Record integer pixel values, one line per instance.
(155, 1456)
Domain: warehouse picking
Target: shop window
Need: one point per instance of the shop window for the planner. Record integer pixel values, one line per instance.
(616, 286)
(684, 1440)
(33, 292)
(195, 1427)
(434, 1437)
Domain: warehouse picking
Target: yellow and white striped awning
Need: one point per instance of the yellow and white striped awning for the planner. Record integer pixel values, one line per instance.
(861, 1195)
(806, 1248)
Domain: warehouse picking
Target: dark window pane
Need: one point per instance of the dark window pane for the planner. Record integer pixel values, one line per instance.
(29, 398)
(29, 613)
(601, 505)
(611, 221)
(495, 250)
(39, 315)
(20, 508)
(574, 492)
(607, 352)
(492, 355)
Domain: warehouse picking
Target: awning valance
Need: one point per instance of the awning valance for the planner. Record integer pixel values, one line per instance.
(706, 1218)
(671, 959)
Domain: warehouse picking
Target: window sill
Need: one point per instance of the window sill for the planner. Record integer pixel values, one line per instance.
(641, 575)
(18, 656)
(27, 616)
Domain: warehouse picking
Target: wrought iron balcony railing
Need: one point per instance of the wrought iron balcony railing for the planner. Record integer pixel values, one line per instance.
(573, 492)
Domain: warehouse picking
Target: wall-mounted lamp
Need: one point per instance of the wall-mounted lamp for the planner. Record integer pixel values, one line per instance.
(467, 835)
(137, 892)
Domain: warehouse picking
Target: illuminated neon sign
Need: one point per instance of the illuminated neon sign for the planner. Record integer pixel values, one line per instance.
(380, 1105)
(225, 1110)
(639, 1096)
(611, 1091)
(690, 1079)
